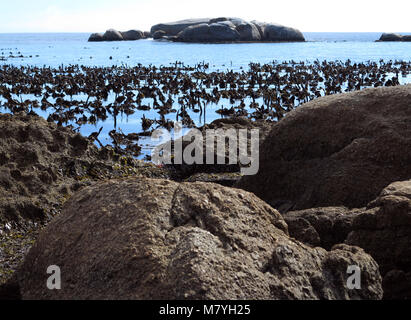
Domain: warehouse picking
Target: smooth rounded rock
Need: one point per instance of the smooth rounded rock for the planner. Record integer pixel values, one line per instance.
(132, 35)
(390, 37)
(95, 37)
(112, 35)
(338, 150)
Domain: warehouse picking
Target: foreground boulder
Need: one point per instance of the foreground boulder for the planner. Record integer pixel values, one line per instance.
(41, 165)
(225, 29)
(158, 239)
(339, 150)
(384, 231)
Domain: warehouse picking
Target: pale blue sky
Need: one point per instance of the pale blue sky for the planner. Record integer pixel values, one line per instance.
(99, 15)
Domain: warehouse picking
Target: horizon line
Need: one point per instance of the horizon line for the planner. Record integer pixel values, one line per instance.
(36, 32)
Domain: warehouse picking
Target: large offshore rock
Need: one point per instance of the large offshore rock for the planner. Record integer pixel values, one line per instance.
(215, 32)
(279, 33)
(391, 37)
(260, 27)
(112, 35)
(227, 29)
(248, 32)
(132, 35)
(174, 28)
(159, 34)
(157, 239)
(96, 37)
(339, 150)
(234, 21)
(394, 37)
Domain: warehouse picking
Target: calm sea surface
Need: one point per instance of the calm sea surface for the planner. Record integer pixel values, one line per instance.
(65, 48)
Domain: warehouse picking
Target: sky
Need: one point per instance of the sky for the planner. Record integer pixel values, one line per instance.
(100, 15)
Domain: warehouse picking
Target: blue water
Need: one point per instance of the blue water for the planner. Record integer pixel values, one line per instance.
(66, 48)
(56, 49)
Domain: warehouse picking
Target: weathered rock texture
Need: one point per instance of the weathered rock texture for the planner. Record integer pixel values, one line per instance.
(384, 231)
(323, 227)
(184, 171)
(41, 164)
(158, 239)
(339, 150)
(226, 30)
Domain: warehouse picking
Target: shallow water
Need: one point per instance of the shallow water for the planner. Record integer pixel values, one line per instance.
(65, 49)
(56, 49)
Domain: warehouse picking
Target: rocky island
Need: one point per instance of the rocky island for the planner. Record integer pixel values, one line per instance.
(114, 35)
(215, 30)
(385, 37)
(225, 30)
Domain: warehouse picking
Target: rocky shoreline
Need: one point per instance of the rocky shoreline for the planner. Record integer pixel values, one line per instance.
(333, 191)
(207, 30)
(41, 166)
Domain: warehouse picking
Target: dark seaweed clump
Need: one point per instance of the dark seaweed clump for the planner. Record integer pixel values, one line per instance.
(76, 95)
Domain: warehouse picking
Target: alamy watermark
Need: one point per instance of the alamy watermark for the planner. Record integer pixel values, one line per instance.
(208, 148)
(54, 281)
(354, 280)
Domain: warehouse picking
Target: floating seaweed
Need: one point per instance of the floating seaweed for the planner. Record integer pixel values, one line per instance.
(80, 95)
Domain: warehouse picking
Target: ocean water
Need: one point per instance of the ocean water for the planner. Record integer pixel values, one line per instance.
(56, 49)
(66, 48)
